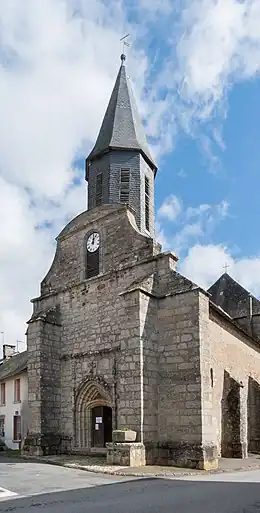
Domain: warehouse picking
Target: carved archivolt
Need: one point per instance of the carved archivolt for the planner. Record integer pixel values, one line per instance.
(93, 392)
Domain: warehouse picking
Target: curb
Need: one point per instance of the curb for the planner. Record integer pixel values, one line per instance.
(88, 468)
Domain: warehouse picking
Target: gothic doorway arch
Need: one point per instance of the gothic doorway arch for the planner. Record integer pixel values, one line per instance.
(93, 416)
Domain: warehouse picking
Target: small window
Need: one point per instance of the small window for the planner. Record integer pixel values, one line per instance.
(211, 378)
(2, 398)
(2, 426)
(99, 189)
(124, 185)
(17, 391)
(147, 203)
(17, 429)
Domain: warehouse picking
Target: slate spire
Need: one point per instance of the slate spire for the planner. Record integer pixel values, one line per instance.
(122, 127)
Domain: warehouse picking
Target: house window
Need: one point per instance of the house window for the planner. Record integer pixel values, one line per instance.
(17, 391)
(2, 398)
(17, 428)
(99, 189)
(124, 185)
(147, 203)
(2, 426)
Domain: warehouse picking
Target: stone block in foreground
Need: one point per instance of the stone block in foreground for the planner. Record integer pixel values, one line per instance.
(126, 454)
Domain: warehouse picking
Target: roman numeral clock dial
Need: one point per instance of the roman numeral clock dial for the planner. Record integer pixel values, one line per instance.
(93, 242)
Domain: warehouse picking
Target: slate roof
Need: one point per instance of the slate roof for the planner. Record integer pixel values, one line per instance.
(122, 127)
(230, 295)
(13, 365)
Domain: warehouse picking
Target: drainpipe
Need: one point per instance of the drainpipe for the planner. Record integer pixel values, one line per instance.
(141, 391)
(250, 314)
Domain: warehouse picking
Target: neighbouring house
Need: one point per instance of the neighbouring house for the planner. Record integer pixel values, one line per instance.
(13, 397)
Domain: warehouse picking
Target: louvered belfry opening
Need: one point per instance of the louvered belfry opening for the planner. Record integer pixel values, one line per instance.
(99, 189)
(147, 204)
(124, 185)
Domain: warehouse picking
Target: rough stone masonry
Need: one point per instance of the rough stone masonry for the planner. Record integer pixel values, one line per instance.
(118, 339)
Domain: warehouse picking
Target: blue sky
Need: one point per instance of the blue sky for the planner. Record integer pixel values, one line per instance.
(194, 67)
(191, 175)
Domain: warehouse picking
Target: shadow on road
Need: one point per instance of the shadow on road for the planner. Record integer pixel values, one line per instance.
(146, 496)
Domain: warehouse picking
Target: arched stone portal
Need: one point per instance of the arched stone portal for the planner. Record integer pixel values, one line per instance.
(231, 423)
(93, 415)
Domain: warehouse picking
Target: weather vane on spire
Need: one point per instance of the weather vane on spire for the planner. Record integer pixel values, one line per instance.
(125, 43)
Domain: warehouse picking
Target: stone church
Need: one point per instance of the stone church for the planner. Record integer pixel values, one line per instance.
(118, 339)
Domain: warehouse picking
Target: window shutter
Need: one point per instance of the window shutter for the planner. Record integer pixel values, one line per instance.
(2, 393)
(124, 185)
(99, 189)
(147, 203)
(17, 428)
(18, 390)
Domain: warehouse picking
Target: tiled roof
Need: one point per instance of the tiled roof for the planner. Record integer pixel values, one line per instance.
(13, 365)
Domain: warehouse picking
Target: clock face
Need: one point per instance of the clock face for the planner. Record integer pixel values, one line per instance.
(93, 242)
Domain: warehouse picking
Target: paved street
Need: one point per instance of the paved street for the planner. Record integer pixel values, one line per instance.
(63, 490)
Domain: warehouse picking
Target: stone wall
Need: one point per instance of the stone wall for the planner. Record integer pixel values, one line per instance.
(99, 323)
(234, 353)
(121, 246)
(44, 382)
(180, 422)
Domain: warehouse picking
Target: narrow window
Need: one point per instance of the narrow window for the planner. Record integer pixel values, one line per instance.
(2, 426)
(17, 391)
(211, 378)
(99, 189)
(17, 428)
(147, 204)
(124, 185)
(92, 255)
(2, 394)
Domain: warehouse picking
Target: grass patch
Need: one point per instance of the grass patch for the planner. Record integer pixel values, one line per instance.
(13, 453)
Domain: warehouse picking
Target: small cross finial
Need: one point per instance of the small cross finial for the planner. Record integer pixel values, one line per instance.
(125, 43)
(226, 266)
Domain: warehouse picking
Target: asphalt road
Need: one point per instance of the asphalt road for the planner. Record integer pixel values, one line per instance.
(83, 492)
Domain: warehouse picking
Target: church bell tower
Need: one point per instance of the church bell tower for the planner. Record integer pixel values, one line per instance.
(120, 168)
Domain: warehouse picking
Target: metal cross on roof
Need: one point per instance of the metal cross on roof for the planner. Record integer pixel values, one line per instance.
(226, 266)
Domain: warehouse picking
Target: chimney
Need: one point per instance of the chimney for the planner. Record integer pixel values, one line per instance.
(8, 351)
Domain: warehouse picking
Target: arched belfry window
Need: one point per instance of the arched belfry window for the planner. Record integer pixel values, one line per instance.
(92, 254)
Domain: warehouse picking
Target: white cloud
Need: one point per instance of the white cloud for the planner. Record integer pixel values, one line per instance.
(58, 61)
(170, 208)
(191, 223)
(214, 44)
(197, 211)
(160, 235)
(56, 74)
(205, 264)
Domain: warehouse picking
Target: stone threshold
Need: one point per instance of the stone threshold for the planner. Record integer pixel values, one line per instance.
(147, 471)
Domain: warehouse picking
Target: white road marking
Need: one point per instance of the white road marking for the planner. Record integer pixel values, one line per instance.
(4, 494)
